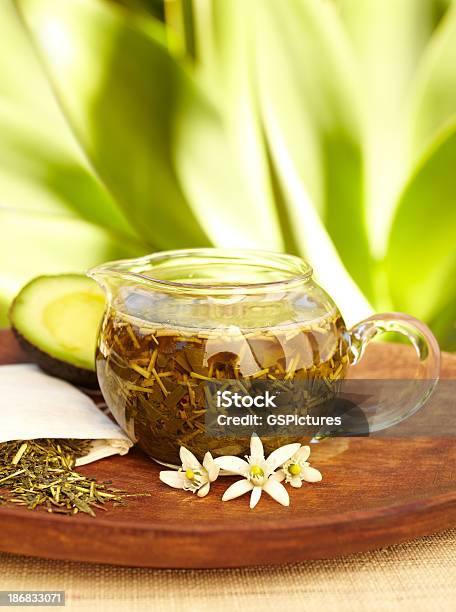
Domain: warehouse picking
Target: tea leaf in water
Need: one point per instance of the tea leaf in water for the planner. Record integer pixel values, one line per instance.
(156, 377)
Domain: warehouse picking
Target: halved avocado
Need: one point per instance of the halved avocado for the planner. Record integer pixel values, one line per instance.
(56, 321)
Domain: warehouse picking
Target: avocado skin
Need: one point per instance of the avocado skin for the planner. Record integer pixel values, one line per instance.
(56, 367)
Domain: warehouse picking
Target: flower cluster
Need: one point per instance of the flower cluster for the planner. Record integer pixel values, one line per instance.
(286, 464)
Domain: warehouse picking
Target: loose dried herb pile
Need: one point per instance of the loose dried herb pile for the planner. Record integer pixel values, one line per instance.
(41, 472)
(155, 378)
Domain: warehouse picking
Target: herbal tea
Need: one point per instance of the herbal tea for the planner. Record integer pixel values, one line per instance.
(179, 324)
(155, 377)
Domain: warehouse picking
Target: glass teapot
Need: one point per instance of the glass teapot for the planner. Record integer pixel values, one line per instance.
(179, 320)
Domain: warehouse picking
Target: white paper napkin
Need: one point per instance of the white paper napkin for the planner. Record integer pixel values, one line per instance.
(34, 405)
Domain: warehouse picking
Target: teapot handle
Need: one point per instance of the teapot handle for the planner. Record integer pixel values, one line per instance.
(424, 343)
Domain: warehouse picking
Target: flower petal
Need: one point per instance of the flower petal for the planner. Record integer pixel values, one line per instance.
(256, 448)
(303, 453)
(204, 490)
(255, 497)
(310, 474)
(207, 460)
(277, 491)
(296, 482)
(211, 467)
(188, 459)
(237, 489)
(232, 464)
(173, 479)
(279, 475)
(282, 454)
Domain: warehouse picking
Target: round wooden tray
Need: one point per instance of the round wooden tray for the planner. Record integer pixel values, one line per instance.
(375, 492)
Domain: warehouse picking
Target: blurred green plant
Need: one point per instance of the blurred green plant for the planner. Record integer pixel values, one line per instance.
(324, 128)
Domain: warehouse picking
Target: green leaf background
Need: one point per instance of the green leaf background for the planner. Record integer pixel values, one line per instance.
(322, 128)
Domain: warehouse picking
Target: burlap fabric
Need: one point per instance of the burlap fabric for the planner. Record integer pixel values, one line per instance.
(418, 576)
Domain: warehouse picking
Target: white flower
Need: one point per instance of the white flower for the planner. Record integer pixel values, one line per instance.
(259, 473)
(297, 469)
(192, 476)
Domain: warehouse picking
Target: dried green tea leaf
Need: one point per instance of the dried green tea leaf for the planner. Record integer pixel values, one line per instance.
(41, 472)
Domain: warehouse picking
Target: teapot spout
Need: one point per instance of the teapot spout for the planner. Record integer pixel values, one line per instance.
(106, 278)
(115, 274)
